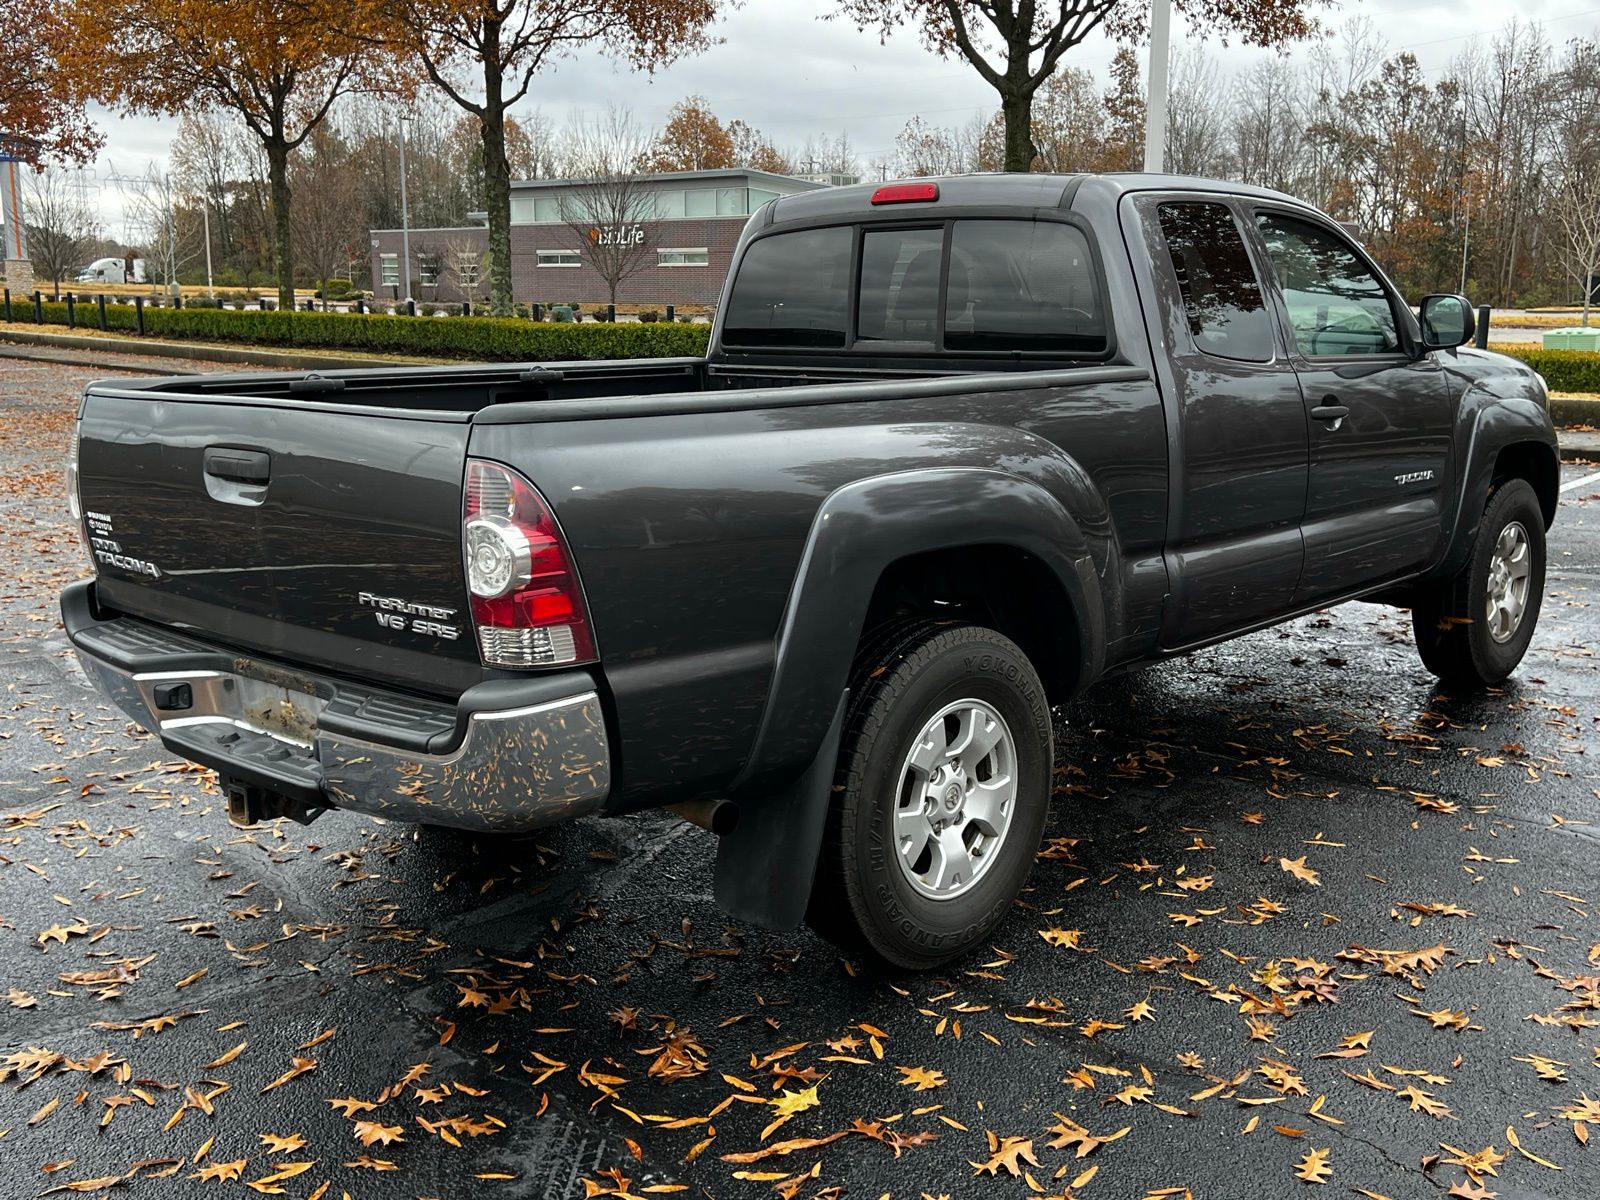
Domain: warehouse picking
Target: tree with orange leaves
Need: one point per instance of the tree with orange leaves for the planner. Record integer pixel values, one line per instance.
(1017, 45)
(485, 54)
(35, 109)
(278, 65)
(693, 139)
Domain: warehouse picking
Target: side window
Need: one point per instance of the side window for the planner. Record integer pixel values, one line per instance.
(1221, 296)
(1022, 285)
(792, 289)
(1336, 304)
(900, 285)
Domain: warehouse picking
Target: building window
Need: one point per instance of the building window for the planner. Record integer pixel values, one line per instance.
(559, 258)
(547, 210)
(522, 210)
(427, 269)
(467, 262)
(700, 202)
(717, 202)
(389, 269)
(683, 258)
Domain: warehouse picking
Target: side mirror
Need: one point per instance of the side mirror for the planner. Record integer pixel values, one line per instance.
(1447, 322)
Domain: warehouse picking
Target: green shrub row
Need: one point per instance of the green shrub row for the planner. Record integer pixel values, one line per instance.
(477, 338)
(1563, 370)
(511, 340)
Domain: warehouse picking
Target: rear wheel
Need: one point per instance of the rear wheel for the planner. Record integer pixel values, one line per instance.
(940, 797)
(1472, 630)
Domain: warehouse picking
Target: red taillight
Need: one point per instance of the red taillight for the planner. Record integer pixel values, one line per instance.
(905, 193)
(527, 604)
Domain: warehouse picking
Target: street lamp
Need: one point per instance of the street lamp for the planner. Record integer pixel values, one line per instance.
(1155, 108)
(405, 213)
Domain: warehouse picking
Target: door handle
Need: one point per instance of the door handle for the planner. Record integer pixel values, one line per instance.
(238, 466)
(1331, 411)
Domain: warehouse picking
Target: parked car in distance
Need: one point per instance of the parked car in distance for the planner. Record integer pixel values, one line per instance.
(959, 449)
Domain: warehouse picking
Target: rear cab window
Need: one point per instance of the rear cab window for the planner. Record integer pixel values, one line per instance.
(793, 290)
(973, 286)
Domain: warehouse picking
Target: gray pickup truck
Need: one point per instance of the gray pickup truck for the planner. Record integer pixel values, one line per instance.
(959, 448)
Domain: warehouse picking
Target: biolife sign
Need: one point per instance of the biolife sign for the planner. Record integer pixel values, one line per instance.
(617, 235)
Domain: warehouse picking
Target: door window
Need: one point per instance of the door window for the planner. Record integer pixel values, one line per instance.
(1336, 304)
(1221, 295)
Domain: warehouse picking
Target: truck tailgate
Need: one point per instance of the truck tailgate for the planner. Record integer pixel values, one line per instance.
(329, 535)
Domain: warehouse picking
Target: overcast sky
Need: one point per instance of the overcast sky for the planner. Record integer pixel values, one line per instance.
(791, 74)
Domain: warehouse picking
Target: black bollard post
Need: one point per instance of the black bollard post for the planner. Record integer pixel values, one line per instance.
(72, 311)
(669, 314)
(138, 314)
(1481, 340)
(100, 303)
(361, 304)
(38, 307)
(611, 314)
(537, 312)
(466, 306)
(411, 308)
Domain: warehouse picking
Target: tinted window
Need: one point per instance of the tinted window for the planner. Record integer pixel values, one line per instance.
(792, 289)
(1221, 296)
(1336, 304)
(1022, 285)
(900, 285)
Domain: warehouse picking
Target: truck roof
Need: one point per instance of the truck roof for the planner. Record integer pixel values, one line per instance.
(991, 189)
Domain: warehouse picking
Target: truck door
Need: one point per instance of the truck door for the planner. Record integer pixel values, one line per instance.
(1380, 413)
(1236, 427)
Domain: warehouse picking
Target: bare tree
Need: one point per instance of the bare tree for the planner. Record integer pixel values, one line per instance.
(1576, 163)
(607, 207)
(153, 219)
(327, 216)
(463, 261)
(62, 228)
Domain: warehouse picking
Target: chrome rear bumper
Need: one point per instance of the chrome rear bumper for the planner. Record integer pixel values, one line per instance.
(511, 769)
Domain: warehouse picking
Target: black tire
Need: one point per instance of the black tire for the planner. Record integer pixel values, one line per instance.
(862, 899)
(1449, 616)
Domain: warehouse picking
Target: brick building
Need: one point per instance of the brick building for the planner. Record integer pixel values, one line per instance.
(689, 223)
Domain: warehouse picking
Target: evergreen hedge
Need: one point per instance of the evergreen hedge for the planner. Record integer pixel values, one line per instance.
(515, 340)
(1563, 370)
(477, 338)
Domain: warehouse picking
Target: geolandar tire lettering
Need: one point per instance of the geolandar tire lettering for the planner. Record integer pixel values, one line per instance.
(940, 798)
(1473, 629)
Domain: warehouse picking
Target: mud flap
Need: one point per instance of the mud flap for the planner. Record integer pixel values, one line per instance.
(765, 867)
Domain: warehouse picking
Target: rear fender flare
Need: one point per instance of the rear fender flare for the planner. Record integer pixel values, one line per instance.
(860, 530)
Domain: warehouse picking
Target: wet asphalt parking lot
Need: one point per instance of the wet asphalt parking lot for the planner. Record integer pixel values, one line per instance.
(1304, 923)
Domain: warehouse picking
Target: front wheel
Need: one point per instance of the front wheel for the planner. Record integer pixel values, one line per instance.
(1473, 630)
(940, 797)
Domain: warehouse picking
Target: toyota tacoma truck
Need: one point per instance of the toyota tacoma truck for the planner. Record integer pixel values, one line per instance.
(958, 449)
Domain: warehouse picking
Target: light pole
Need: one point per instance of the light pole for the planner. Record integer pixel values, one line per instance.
(205, 211)
(405, 214)
(1155, 106)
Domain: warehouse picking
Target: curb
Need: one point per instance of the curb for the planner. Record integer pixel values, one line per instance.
(1578, 447)
(291, 360)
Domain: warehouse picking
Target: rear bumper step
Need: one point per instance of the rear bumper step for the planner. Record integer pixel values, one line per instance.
(508, 756)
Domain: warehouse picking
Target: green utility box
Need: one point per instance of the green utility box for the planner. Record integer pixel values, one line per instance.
(1574, 337)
